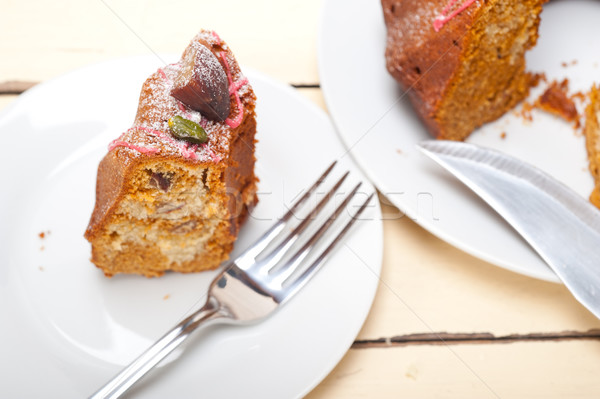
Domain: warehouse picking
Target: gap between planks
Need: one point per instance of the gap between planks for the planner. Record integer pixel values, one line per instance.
(15, 86)
(18, 87)
(444, 338)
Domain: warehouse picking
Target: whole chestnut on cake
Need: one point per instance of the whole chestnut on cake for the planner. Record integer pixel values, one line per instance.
(202, 83)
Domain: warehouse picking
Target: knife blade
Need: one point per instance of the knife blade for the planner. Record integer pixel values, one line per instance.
(560, 225)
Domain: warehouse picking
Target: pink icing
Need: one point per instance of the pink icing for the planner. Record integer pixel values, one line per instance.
(183, 110)
(186, 149)
(143, 150)
(158, 133)
(233, 89)
(211, 153)
(237, 85)
(446, 15)
(162, 74)
(217, 38)
(233, 123)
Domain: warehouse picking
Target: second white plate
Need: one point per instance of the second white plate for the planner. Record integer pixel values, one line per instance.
(380, 129)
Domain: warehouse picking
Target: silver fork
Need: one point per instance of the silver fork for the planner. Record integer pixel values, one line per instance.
(251, 287)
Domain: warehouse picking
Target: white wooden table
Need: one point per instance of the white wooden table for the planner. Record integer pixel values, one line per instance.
(443, 323)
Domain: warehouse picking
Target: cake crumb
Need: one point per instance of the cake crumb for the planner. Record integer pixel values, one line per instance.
(556, 100)
(44, 234)
(503, 135)
(166, 297)
(525, 111)
(566, 64)
(536, 78)
(579, 96)
(412, 372)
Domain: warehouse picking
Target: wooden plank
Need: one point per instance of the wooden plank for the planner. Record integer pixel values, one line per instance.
(15, 86)
(5, 100)
(277, 38)
(313, 94)
(516, 370)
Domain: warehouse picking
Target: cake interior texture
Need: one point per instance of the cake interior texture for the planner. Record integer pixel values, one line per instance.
(592, 136)
(472, 70)
(171, 217)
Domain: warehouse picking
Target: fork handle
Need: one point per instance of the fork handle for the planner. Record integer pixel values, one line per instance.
(119, 384)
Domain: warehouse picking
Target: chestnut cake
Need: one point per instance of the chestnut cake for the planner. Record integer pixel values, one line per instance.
(174, 189)
(461, 62)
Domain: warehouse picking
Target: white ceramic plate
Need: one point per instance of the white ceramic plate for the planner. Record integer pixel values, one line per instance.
(66, 328)
(380, 129)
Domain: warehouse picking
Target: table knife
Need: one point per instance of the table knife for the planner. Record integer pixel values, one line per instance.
(559, 224)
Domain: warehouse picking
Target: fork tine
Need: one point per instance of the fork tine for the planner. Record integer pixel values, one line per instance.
(266, 264)
(291, 265)
(299, 282)
(259, 245)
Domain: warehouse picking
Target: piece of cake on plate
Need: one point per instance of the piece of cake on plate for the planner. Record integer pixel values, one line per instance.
(461, 62)
(174, 189)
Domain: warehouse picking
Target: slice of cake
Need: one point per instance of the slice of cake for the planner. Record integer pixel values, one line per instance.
(592, 140)
(461, 62)
(174, 189)
(557, 101)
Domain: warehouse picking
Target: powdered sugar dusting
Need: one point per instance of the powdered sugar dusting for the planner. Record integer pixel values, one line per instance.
(150, 133)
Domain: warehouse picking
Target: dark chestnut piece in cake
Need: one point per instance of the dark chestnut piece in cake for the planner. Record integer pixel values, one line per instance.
(202, 83)
(159, 180)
